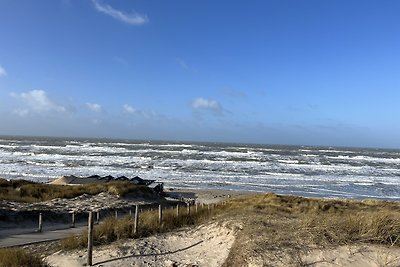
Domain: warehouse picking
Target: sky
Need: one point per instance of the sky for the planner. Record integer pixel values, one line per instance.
(311, 72)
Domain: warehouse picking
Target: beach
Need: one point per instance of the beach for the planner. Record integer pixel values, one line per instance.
(242, 226)
(332, 172)
(261, 234)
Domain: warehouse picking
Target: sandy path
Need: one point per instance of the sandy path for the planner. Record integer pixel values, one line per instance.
(206, 245)
(205, 196)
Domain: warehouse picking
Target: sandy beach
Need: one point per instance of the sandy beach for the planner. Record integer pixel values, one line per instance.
(205, 196)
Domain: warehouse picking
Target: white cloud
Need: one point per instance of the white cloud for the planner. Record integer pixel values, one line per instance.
(36, 100)
(129, 109)
(132, 18)
(120, 60)
(96, 122)
(21, 112)
(207, 104)
(182, 63)
(3, 72)
(234, 93)
(94, 107)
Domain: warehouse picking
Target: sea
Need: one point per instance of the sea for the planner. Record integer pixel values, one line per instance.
(329, 172)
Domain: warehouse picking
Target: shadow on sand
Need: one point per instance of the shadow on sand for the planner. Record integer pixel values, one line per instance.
(151, 254)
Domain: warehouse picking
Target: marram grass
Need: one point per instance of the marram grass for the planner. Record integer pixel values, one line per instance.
(27, 191)
(16, 257)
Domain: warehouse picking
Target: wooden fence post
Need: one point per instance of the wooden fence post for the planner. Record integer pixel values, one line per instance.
(40, 223)
(98, 217)
(197, 207)
(160, 217)
(116, 214)
(188, 208)
(135, 227)
(73, 219)
(90, 239)
(177, 210)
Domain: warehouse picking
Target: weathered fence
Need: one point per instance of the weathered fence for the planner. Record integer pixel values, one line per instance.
(136, 226)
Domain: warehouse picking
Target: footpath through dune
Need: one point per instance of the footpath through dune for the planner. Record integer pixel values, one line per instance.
(206, 245)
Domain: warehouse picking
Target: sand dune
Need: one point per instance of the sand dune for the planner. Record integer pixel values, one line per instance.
(206, 245)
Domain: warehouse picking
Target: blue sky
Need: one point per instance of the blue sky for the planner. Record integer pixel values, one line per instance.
(274, 72)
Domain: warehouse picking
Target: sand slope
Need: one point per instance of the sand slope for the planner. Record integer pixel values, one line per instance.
(206, 245)
(354, 256)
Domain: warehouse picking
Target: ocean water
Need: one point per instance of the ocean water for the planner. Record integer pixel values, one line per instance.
(297, 170)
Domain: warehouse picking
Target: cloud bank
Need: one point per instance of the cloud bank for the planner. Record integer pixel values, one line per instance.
(132, 18)
(129, 109)
(204, 104)
(94, 107)
(36, 100)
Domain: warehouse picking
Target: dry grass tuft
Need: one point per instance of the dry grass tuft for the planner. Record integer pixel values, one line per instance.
(14, 257)
(26, 191)
(112, 229)
(380, 227)
(280, 229)
(277, 230)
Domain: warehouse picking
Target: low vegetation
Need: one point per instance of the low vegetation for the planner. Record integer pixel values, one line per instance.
(274, 227)
(27, 191)
(281, 228)
(15, 257)
(277, 229)
(112, 229)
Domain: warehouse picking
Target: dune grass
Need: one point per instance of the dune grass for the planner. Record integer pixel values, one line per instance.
(277, 227)
(273, 227)
(270, 222)
(112, 229)
(27, 191)
(15, 257)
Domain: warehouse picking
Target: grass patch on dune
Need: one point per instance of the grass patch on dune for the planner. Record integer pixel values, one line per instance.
(15, 257)
(274, 228)
(277, 227)
(380, 227)
(27, 191)
(112, 229)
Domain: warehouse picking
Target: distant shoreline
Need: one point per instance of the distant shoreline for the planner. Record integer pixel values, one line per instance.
(200, 142)
(326, 172)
